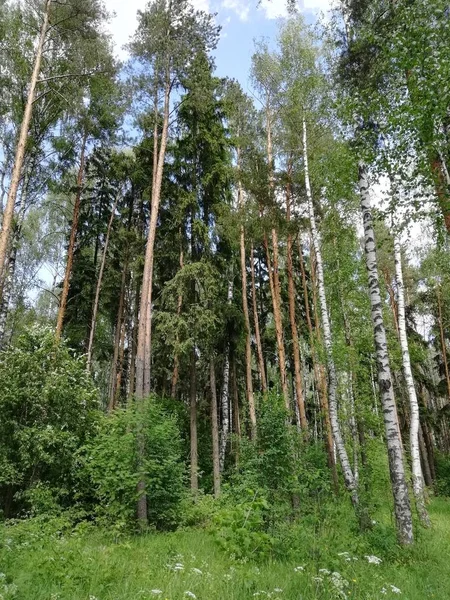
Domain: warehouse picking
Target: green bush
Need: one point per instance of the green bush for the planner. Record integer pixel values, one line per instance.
(48, 406)
(110, 469)
(442, 474)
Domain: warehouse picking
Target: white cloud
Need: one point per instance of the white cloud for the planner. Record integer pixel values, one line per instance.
(240, 7)
(273, 9)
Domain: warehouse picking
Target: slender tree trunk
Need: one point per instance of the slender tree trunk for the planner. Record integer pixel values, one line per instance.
(248, 348)
(349, 478)
(98, 289)
(71, 249)
(402, 505)
(193, 424)
(425, 461)
(299, 395)
(118, 337)
(236, 421)
(279, 321)
(418, 483)
(8, 213)
(259, 350)
(442, 338)
(225, 404)
(319, 371)
(134, 335)
(215, 431)
(143, 354)
(176, 362)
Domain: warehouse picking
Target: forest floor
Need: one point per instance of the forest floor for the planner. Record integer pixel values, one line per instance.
(43, 562)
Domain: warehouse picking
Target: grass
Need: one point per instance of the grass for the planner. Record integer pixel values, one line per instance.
(42, 561)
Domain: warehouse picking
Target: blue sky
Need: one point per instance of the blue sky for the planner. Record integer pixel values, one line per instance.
(242, 22)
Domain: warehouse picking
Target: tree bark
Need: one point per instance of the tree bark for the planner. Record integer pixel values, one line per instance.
(72, 239)
(8, 213)
(225, 404)
(143, 354)
(442, 338)
(248, 348)
(402, 505)
(259, 350)
(215, 431)
(418, 483)
(98, 288)
(299, 394)
(176, 362)
(193, 425)
(349, 478)
(319, 372)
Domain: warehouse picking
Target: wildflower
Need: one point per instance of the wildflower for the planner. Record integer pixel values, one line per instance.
(156, 592)
(196, 571)
(190, 594)
(394, 589)
(318, 579)
(298, 569)
(383, 590)
(325, 571)
(373, 560)
(278, 590)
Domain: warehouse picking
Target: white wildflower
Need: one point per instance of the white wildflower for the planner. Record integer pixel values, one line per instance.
(278, 590)
(156, 592)
(318, 579)
(395, 589)
(373, 560)
(383, 590)
(190, 594)
(325, 571)
(196, 571)
(299, 568)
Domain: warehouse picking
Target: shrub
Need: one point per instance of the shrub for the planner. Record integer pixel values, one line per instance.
(110, 469)
(48, 406)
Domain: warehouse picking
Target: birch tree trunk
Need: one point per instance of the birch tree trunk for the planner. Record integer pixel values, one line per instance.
(259, 350)
(215, 431)
(225, 404)
(349, 478)
(71, 249)
(98, 288)
(8, 213)
(418, 483)
(402, 505)
(319, 372)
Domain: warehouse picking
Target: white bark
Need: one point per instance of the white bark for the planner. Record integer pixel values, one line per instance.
(402, 505)
(349, 478)
(225, 404)
(417, 475)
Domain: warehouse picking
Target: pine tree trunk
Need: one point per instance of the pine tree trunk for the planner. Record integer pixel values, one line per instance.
(402, 505)
(118, 337)
(299, 395)
(259, 350)
(248, 348)
(215, 431)
(193, 424)
(98, 288)
(132, 377)
(71, 249)
(143, 354)
(8, 213)
(418, 484)
(425, 461)
(349, 478)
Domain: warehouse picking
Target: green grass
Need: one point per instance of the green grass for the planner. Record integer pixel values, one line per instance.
(42, 562)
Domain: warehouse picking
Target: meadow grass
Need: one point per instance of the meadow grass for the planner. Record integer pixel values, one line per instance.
(322, 559)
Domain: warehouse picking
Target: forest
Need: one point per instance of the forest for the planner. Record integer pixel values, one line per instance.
(224, 312)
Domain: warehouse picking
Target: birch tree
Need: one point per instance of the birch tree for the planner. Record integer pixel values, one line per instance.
(418, 482)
